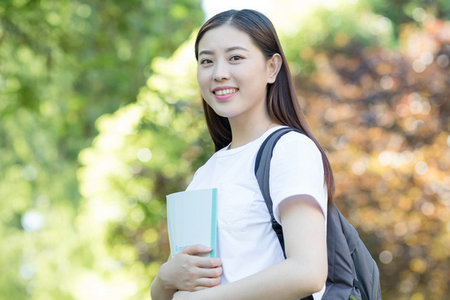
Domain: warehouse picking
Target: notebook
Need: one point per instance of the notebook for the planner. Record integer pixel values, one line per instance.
(192, 219)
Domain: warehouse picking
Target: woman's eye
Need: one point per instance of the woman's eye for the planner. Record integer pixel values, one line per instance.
(205, 61)
(235, 58)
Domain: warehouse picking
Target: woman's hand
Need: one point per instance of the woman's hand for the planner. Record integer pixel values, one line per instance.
(187, 271)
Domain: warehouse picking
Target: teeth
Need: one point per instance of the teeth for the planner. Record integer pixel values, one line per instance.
(225, 92)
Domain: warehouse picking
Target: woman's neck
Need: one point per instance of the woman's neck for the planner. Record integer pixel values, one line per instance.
(247, 131)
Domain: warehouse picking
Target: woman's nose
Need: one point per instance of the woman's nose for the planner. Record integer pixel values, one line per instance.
(221, 71)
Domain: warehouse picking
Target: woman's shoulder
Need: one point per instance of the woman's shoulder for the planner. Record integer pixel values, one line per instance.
(296, 142)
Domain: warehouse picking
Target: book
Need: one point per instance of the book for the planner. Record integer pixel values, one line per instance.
(192, 219)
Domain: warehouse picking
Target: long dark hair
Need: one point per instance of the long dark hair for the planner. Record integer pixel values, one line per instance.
(281, 101)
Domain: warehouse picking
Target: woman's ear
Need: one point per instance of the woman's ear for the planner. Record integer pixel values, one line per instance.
(273, 67)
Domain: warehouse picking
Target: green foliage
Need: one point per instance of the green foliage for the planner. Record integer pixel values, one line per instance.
(346, 28)
(406, 11)
(63, 65)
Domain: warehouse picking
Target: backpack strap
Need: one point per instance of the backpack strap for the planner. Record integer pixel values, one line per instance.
(262, 172)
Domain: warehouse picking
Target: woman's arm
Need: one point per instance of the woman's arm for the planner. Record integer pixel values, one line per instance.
(302, 273)
(187, 272)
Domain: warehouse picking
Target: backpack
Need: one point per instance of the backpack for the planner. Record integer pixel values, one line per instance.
(352, 272)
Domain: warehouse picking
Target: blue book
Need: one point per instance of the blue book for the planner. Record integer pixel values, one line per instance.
(192, 219)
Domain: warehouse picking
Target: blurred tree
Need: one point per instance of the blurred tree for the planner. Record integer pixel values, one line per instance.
(62, 65)
(408, 11)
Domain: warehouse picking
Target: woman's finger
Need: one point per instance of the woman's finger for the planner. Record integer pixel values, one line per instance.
(207, 262)
(210, 272)
(196, 249)
(207, 282)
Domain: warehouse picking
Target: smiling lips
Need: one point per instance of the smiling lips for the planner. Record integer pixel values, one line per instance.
(224, 93)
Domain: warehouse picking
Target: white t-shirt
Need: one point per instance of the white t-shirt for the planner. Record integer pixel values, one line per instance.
(247, 243)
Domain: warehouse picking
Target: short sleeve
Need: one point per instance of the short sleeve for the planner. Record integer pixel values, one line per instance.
(296, 168)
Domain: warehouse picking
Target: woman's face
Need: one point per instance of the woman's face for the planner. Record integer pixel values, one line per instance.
(233, 74)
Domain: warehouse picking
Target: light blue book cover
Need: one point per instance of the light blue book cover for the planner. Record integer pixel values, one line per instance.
(192, 219)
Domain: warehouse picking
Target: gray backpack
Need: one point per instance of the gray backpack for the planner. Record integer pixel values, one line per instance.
(352, 272)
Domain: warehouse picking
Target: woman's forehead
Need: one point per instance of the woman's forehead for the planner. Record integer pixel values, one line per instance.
(226, 37)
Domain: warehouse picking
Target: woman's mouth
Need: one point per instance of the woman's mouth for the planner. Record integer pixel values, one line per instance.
(224, 94)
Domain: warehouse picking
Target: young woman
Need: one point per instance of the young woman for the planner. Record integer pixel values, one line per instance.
(247, 94)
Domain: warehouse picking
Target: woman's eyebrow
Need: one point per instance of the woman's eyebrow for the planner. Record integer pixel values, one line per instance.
(210, 52)
(205, 52)
(236, 48)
